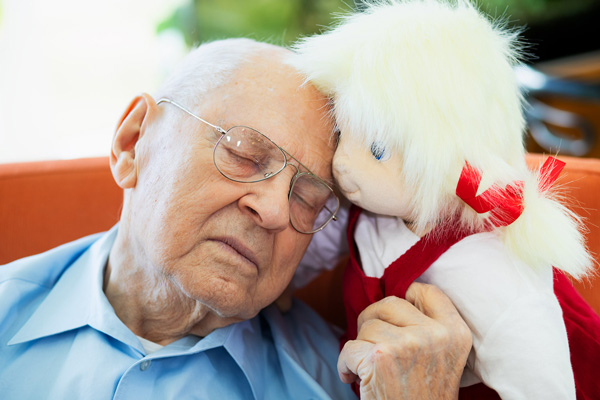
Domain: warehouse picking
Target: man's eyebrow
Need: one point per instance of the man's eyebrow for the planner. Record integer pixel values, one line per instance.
(328, 180)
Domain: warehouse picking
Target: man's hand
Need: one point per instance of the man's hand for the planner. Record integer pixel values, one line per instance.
(408, 349)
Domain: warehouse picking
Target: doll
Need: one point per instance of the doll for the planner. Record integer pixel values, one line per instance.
(431, 149)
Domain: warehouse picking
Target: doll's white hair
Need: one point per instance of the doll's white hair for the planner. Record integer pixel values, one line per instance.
(433, 81)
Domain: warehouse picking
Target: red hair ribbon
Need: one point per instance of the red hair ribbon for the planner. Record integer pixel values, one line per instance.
(505, 205)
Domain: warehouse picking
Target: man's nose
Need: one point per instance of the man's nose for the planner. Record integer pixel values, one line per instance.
(267, 202)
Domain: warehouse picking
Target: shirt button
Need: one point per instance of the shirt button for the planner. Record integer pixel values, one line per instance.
(144, 365)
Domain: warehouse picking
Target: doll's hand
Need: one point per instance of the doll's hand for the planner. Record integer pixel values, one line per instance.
(408, 349)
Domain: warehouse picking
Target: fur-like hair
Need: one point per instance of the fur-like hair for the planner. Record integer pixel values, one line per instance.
(433, 81)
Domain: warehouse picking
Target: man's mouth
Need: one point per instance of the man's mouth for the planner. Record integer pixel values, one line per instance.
(239, 248)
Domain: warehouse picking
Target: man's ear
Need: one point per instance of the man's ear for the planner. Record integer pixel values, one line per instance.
(127, 134)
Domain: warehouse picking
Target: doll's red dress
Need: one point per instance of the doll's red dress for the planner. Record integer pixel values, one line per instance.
(582, 323)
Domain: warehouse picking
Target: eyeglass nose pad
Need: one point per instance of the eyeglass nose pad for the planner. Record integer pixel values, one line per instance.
(289, 164)
(269, 174)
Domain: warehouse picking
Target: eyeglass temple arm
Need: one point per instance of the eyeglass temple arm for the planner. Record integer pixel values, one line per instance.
(223, 131)
(182, 108)
(334, 218)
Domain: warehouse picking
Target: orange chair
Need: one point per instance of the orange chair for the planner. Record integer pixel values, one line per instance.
(45, 204)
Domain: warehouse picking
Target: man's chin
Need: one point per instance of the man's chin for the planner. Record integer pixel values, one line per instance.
(227, 300)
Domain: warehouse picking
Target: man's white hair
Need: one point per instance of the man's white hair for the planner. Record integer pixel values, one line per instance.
(433, 82)
(207, 67)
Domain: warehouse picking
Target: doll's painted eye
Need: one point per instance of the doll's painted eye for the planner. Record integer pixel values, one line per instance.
(379, 152)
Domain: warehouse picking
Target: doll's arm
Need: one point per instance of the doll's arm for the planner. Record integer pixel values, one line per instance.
(525, 355)
(520, 346)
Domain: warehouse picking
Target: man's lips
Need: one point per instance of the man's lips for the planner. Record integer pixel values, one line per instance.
(239, 247)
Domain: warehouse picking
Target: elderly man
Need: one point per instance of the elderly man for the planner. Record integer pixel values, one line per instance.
(224, 178)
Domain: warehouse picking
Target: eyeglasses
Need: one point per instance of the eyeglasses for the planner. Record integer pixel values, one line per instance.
(243, 154)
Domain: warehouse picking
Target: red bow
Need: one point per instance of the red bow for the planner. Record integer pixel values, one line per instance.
(505, 205)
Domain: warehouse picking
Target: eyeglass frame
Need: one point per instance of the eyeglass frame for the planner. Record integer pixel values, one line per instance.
(286, 154)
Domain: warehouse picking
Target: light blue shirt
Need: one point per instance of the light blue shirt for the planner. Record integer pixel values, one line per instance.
(61, 339)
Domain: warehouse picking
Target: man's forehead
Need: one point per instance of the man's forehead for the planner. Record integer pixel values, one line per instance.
(307, 144)
(296, 118)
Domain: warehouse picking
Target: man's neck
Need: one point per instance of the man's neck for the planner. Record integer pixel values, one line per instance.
(150, 305)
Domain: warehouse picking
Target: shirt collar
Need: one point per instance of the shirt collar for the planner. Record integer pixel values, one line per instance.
(77, 300)
(246, 345)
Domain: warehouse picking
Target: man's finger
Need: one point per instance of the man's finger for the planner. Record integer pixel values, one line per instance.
(432, 302)
(351, 358)
(376, 331)
(393, 310)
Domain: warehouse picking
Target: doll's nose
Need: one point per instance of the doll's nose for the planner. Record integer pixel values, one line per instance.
(339, 165)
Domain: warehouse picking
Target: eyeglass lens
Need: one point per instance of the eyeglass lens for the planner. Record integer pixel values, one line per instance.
(246, 155)
(307, 203)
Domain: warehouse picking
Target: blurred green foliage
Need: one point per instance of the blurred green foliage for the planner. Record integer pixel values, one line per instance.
(275, 21)
(283, 21)
(533, 12)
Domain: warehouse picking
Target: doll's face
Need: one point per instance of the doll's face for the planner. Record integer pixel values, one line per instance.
(370, 177)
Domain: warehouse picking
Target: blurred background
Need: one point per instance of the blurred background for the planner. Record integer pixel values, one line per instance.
(68, 68)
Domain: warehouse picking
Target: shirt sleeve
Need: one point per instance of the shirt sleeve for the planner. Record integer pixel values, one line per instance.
(326, 248)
